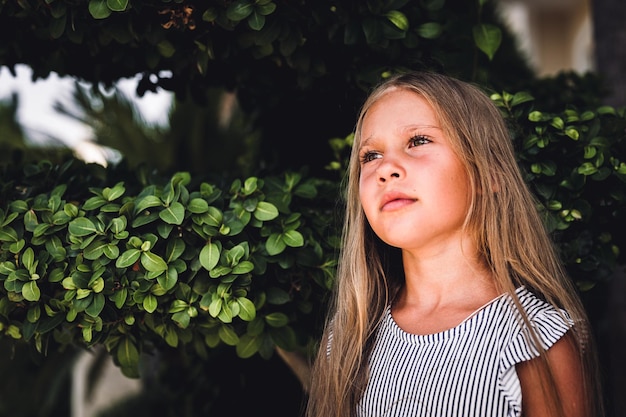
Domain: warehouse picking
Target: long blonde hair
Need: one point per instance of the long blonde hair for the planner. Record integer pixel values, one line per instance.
(503, 218)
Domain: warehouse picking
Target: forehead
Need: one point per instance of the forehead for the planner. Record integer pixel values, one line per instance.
(397, 109)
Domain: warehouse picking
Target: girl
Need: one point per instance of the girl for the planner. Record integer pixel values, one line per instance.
(450, 298)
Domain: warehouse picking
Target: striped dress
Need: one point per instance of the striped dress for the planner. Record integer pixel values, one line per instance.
(466, 371)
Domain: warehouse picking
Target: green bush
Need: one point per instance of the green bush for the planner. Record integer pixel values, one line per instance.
(196, 266)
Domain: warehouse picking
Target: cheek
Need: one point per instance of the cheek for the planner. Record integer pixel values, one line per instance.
(367, 204)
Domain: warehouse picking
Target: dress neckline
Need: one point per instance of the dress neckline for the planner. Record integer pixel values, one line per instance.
(453, 331)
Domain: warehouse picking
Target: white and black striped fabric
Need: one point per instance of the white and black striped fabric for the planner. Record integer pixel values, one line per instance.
(466, 371)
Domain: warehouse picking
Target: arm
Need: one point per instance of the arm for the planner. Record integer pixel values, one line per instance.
(568, 379)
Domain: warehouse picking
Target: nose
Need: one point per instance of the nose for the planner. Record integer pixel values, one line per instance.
(388, 170)
(385, 179)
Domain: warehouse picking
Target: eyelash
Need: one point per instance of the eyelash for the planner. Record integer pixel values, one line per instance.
(423, 140)
(416, 140)
(367, 157)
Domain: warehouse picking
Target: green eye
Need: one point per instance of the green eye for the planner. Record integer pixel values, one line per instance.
(418, 140)
(369, 156)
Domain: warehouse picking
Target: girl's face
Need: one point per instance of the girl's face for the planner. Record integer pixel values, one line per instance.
(413, 188)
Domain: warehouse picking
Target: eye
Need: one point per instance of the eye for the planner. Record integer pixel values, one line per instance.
(368, 156)
(418, 140)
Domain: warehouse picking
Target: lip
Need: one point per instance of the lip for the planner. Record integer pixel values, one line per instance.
(395, 200)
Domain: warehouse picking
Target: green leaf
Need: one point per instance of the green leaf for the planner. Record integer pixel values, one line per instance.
(147, 202)
(265, 9)
(219, 271)
(111, 251)
(19, 206)
(118, 225)
(487, 38)
(30, 291)
(117, 6)
(587, 168)
(256, 21)
(265, 211)
(214, 217)
(247, 310)
(535, 116)
(153, 262)
(70, 209)
(94, 203)
(210, 14)
(243, 268)
(128, 258)
(228, 335)
(215, 307)
(572, 133)
(250, 185)
(8, 234)
(171, 337)
(95, 249)
(168, 279)
(150, 303)
(7, 268)
(97, 285)
(606, 110)
(306, 191)
(198, 206)
(248, 345)
(97, 305)
(28, 258)
(239, 10)
(69, 284)
(112, 194)
(41, 229)
(558, 123)
(521, 97)
(210, 256)
(182, 318)
(55, 248)
(99, 9)
(275, 244)
(175, 248)
(30, 220)
(47, 324)
(398, 19)
(16, 247)
(174, 214)
(293, 238)
(128, 358)
(277, 319)
(82, 226)
(119, 297)
(430, 30)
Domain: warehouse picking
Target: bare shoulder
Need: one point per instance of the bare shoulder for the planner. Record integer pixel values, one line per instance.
(564, 360)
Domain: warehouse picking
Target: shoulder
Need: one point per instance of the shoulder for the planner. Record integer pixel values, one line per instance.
(566, 377)
(549, 321)
(537, 322)
(534, 306)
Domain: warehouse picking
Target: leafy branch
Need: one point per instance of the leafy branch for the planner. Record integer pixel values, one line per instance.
(172, 264)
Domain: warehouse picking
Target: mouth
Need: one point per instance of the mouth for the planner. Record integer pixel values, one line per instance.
(395, 201)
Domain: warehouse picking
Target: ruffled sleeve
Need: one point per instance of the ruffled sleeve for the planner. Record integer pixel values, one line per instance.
(550, 325)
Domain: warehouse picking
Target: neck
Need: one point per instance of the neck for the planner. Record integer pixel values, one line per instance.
(446, 277)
